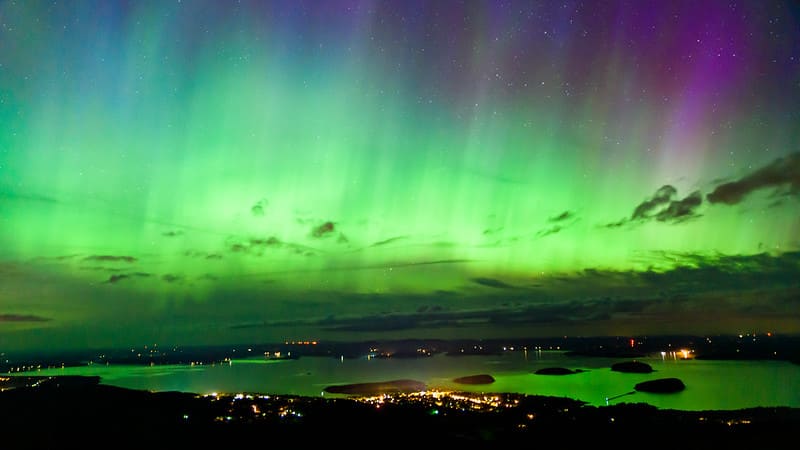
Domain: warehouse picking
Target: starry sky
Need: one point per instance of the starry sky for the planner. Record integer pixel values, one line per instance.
(192, 172)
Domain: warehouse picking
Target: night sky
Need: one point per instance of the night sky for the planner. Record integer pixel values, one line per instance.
(192, 172)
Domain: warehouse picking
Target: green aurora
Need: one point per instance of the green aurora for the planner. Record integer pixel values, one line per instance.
(207, 173)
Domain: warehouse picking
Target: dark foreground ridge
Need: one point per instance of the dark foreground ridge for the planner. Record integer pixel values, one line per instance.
(65, 412)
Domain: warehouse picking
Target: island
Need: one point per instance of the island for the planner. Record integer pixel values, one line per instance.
(475, 379)
(661, 386)
(378, 388)
(557, 371)
(632, 367)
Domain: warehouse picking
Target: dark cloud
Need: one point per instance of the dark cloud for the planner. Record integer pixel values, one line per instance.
(271, 241)
(491, 282)
(663, 207)
(101, 268)
(427, 263)
(727, 272)
(662, 196)
(26, 197)
(558, 223)
(23, 318)
(490, 231)
(116, 278)
(259, 208)
(561, 217)
(172, 233)
(377, 323)
(548, 231)
(170, 278)
(680, 210)
(762, 276)
(388, 241)
(323, 230)
(429, 318)
(733, 287)
(379, 266)
(56, 258)
(110, 258)
(617, 224)
(779, 173)
(200, 254)
(255, 246)
(113, 279)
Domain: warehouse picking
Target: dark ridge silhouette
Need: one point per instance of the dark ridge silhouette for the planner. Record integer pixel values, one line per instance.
(475, 379)
(378, 387)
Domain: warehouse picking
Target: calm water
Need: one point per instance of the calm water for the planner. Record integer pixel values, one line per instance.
(720, 385)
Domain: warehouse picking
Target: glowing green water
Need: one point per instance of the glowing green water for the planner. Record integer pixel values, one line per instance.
(721, 385)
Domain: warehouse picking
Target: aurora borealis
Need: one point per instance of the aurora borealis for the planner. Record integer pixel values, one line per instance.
(210, 171)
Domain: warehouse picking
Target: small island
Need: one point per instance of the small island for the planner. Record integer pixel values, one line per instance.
(475, 379)
(378, 388)
(632, 367)
(557, 371)
(661, 386)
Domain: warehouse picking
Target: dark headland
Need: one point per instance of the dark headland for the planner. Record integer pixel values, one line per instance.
(475, 379)
(377, 388)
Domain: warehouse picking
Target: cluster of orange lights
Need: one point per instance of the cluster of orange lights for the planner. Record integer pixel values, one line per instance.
(300, 342)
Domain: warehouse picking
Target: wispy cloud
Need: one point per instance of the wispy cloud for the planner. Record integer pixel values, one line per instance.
(110, 258)
(201, 254)
(662, 196)
(782, 172)
(23, 318)
(258, 246)
(116, 278)
(171, 278)
(549, 230)
(562, 217)
(558, 223)
(322, 230)
(259, 208)
(699, 285)
(11, 195)
(492, 282)
(680, 210)
(663, 206)
(388, 241)
(101, 268)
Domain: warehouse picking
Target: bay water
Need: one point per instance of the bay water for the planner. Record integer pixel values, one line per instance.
(710, 384)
